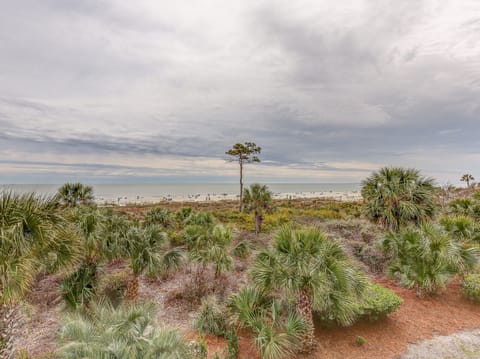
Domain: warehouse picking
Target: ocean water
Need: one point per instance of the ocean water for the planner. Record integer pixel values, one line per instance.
(138, 193)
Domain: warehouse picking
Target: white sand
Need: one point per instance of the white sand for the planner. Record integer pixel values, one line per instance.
(122, 201)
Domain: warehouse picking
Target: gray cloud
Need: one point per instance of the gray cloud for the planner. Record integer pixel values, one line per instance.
(349, 87)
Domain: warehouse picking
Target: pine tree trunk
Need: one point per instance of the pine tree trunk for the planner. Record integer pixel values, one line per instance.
(132, 288)
(304, 309)
(258, 222)
(241, 185)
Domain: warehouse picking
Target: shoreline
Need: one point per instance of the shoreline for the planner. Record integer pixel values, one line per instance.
(123, 201)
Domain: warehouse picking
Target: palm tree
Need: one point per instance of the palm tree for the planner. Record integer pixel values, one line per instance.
(462, 228)
(257, 199)
(145, 251)
(75, 194)
(425, 258)
(122, 332)
(211, 246)
(149, 250)
(79, 287)
(278, 330)
(316, 271)
(395, 197)
(467, 177)
(31, 229)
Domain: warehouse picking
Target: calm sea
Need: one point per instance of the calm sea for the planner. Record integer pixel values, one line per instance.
(157, 192)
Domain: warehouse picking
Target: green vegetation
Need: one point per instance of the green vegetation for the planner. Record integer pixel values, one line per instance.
(274, 274)
(471, 286)
(361, 340)
(377, 302)
(315, 271)
(123, 332)
(244, 153)
(467, 177)
(75, 194)
(31, 228)
(426, 258)
(257, 199)
(396, 197)
(211, 318)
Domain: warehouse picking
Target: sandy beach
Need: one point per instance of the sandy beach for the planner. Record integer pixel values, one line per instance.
(212, 197)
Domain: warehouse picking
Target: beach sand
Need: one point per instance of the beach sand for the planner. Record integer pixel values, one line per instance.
(212, 197)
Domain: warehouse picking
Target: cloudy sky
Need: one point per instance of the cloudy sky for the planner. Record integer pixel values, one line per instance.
(153, 91)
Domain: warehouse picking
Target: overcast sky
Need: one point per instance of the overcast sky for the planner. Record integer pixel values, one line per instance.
(157, 91)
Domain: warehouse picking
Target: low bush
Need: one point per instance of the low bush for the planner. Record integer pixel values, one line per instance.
(183, 213)
(201, 283)
(114, 287)
(161, 216)
(243, 249)
(426, 258)
(378, 302)
(360, 340)
(123, 332)
(80, 287)
(211, 318)
(471, 286)
(232, 349)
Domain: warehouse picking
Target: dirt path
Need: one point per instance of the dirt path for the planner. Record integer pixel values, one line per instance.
(464, 345)
(416, 319)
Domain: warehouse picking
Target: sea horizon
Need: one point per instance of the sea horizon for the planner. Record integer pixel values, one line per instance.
(149, 193)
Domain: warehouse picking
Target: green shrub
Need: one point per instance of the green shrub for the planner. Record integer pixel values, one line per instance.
(426, 258)
(113, 287)
(79, 287)
(200, 219)
(161, 216)
(247, 305)
(211, 319)
(182, 214)
(122, 332)
(243, 249)
(378, 302)
(231, 351)
(471, 286)
(361, 340)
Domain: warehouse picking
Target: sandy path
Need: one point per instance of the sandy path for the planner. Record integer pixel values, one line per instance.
(464, 345)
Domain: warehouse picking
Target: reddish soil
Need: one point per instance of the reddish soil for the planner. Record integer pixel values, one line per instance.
(417, 319)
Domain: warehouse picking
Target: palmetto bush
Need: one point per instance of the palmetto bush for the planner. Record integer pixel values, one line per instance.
(426, 258)
(124, 332)
(31, 228)
(248, 305)
(160, 216)
(113, 234)
(80, 286)
(257, 199)
(461, 227)
(471, 286)
(211, 318)
(209, 245)
(278, 329)
(75, 194)
(243, 249)
(466, 206)
(316, 271)
(31, 231)
(396, 197)
(148, 250)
